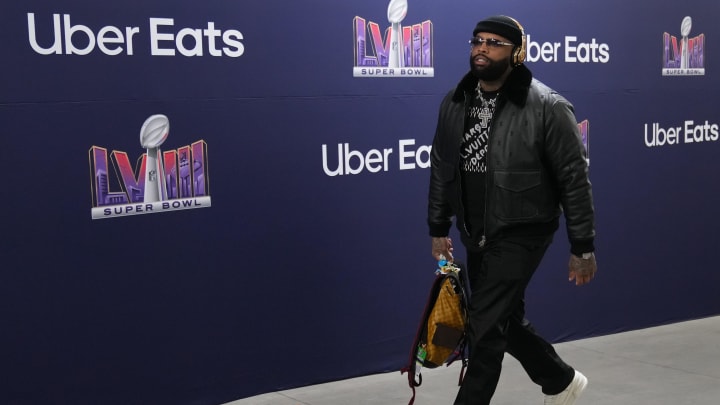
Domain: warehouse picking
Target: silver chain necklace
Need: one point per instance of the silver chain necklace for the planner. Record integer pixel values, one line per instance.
(486, 101)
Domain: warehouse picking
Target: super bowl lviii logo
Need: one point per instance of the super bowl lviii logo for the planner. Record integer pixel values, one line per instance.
(686, 56)
(404, 51)
(163, 180)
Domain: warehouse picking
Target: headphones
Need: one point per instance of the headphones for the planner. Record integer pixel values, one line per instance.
(519, 53)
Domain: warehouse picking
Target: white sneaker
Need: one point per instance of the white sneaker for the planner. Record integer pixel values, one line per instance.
(571, 393)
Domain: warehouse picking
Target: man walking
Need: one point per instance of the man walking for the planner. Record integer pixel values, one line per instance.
(507, 160)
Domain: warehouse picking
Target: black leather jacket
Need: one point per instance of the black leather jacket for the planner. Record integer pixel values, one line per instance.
(536, 165)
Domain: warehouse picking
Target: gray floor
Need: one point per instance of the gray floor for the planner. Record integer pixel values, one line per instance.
(676, 364)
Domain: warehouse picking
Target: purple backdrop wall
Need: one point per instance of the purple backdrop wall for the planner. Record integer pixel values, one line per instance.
(311, 250)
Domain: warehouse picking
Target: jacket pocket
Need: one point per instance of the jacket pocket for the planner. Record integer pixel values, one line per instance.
(518, 195)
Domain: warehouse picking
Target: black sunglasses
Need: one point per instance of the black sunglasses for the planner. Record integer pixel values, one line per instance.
(490, 42)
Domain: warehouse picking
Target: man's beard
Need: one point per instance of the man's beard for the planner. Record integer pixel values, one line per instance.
(493, 71)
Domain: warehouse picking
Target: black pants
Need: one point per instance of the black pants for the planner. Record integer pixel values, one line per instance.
(498, 277)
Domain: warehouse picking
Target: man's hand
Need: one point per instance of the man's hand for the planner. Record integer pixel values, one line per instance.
(442, 246)
(582, 270)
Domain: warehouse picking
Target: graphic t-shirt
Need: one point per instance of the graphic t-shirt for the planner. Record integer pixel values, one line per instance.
(473, 159)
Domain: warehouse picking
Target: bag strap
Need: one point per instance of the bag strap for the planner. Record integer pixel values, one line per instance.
(462, 372)
(460, 350)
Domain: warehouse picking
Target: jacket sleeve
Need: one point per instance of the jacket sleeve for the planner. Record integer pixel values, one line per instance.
(568, 160)
(439, 211)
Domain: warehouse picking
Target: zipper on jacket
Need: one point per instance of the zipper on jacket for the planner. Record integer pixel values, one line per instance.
(483, 239)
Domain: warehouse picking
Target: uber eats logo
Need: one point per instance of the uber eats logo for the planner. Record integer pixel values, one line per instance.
(59, 35)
